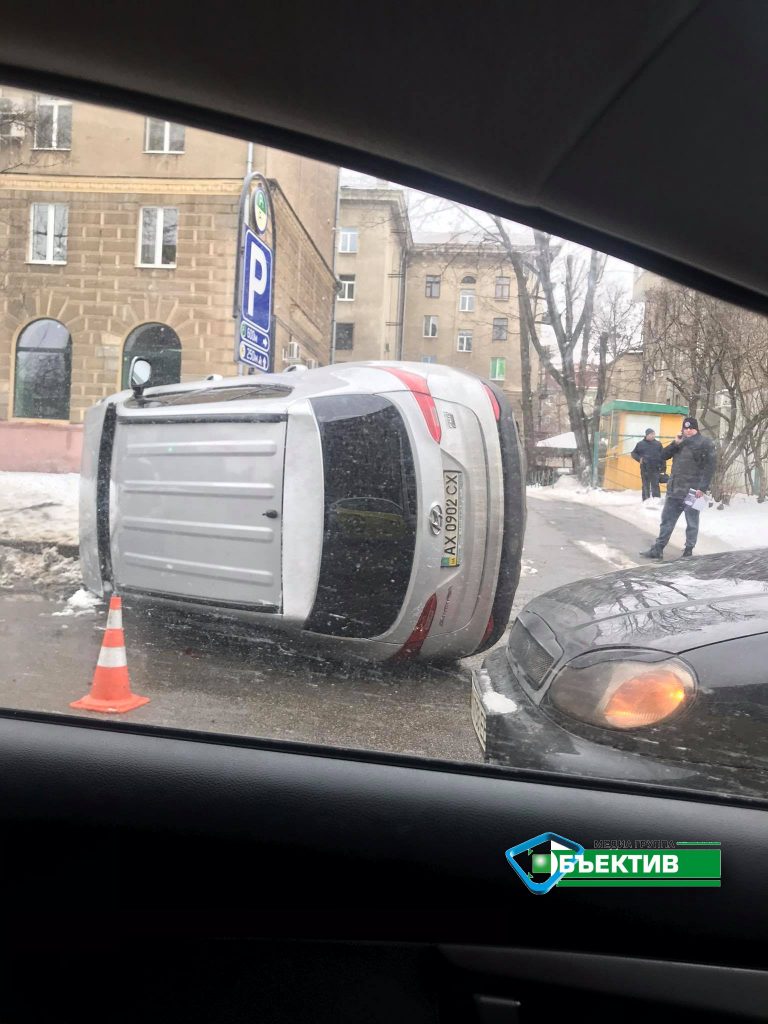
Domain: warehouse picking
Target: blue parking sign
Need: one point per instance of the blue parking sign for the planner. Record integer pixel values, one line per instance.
(255, 302)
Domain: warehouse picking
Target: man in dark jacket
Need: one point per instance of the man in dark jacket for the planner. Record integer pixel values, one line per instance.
(693, 465)
(649, 453)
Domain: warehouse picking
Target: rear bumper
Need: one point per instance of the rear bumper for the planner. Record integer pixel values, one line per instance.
(513, 470)
(513, 731)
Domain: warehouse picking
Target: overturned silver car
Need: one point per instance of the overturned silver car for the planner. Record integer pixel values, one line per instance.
(377, 507)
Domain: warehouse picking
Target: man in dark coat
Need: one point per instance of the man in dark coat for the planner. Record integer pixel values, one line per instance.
(693, 466)
(649, 453)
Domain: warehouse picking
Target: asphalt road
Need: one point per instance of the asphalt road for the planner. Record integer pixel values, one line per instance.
(229, 682)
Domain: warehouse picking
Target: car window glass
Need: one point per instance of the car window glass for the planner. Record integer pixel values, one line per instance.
(405, 476)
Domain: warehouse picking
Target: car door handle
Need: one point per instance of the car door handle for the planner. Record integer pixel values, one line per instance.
(271, 513)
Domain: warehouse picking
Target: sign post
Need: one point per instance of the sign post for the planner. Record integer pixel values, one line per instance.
(254, 278)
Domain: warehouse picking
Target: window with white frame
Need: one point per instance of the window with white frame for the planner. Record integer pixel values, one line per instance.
(500, 328)
(163, 136)
(53, 123)
(348, 240)
(502, 289)
(432, 287)
(465, 341)
(430, 326)
(347, 293)
(498, 369)
(467, 301)
(158, 236)
(48, 226)
(429, 359)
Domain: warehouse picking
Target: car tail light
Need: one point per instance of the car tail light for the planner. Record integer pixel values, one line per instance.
(494, 402)
(488, 631)
(420, 390)
(413, 644)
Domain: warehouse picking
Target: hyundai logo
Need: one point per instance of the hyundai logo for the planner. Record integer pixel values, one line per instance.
(436, 519)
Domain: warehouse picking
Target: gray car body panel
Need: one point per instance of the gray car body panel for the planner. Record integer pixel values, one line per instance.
(189, 527)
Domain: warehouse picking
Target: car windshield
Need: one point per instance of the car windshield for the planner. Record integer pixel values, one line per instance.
(296, 453)
(370, 502)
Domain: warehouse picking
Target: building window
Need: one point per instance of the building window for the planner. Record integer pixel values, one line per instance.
(500, 328)
(502, 289)
(465, 341)
(432, 289)
(467, 301)
(158, 343)
(163, 136)
(158, 234)
(53, 124)
(12, 121)
(345, 336)
(498, 369)
(429, 359)
(348, 240)
(48, 224)
(43, 377)
(347, 293)
(469, 279)
(430, 326)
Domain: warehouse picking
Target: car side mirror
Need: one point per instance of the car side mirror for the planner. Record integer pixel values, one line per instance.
(140, 375)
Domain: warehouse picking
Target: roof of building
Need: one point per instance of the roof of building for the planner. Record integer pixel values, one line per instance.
(565, 442)
(620, 406)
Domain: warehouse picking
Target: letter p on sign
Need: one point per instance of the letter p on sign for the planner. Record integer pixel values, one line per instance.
(257, 277)
(256, 280)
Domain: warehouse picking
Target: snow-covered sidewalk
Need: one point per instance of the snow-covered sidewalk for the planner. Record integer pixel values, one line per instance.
(742, 524)
(39, 507)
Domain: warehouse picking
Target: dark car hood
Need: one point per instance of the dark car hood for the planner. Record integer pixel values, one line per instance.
(689, 603)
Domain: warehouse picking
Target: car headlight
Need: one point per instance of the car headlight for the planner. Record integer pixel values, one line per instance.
(623, 690)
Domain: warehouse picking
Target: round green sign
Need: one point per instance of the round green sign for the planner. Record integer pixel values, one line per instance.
(260, 210)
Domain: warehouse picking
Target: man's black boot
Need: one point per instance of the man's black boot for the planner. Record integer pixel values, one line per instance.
(654, 552)
(687, 551)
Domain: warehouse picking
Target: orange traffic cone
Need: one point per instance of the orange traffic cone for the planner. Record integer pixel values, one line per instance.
(111, 687)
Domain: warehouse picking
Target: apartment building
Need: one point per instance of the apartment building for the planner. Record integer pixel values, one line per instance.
(449, 299)
(373, 243)
(118, 236)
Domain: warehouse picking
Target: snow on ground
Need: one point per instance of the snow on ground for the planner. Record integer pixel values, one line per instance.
(48, 568)
(742, 524)
(81, 602)
(608, 554)
(39, 507)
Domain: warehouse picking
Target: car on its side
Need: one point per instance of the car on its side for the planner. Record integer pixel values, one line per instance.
(654, 674)
(377, 507)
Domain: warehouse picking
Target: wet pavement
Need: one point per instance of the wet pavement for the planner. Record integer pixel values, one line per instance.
(222, 678)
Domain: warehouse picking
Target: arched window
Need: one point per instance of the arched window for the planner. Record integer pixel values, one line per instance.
(469, 279)
(161, 346)
(43, 373)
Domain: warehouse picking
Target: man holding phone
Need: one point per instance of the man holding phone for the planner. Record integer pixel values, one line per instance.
(693, 466)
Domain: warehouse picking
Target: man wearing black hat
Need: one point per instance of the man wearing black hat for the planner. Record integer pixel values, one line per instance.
(693, 465)
(649, 453)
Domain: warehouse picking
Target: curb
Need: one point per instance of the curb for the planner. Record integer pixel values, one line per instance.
(36, 547)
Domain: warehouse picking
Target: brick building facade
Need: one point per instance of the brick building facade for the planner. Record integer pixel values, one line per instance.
(109, 247)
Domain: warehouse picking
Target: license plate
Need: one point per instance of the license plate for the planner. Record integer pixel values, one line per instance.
(477, 712)
(453, 491)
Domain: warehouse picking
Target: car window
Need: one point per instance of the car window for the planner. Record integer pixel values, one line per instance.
(292, 452)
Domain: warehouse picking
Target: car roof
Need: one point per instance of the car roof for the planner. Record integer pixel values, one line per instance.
(638, 128)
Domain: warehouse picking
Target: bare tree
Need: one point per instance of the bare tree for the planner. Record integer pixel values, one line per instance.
(568, 281)
(715, 356)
